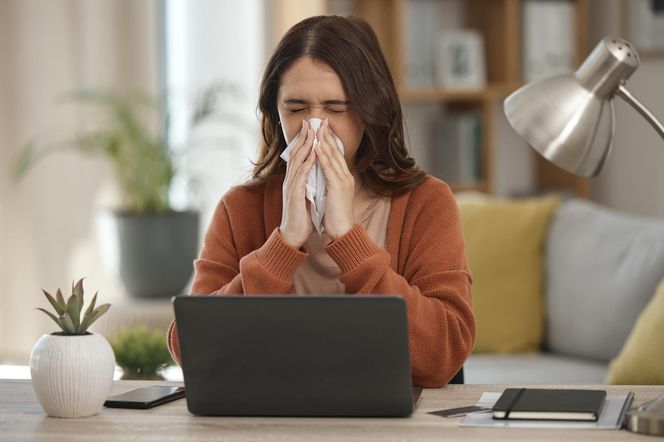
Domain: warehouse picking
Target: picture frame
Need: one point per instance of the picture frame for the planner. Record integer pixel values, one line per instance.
(643, 25)
(461, 60)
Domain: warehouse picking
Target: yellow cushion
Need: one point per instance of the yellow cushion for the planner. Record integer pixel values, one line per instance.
(641, 360)
(505, 242)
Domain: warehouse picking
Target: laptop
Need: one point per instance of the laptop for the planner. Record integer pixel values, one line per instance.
(295, 355)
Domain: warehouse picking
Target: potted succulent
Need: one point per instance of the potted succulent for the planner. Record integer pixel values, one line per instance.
(154, 243)
(141, 353)
(72, 370)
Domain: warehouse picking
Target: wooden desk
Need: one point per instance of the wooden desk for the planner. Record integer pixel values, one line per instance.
(22, 419)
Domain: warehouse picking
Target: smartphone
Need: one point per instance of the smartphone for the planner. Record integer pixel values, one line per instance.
(143, 398)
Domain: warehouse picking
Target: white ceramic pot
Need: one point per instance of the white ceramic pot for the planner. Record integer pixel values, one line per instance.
(72, 375)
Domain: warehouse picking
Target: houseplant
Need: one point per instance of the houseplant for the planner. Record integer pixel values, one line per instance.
(141, 353)
(72, 370)
(155, 244)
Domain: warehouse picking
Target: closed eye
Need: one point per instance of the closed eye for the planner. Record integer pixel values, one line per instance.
(337, 110)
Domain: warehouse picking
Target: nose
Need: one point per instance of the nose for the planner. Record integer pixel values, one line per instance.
(316, 112)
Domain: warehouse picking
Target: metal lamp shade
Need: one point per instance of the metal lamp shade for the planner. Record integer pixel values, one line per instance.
(565, 123)
(569, 118)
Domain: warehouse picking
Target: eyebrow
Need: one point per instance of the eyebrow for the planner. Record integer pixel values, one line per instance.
(326, 102)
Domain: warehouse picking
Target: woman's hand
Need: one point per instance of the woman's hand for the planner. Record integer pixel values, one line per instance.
(339, 215)
(296, 225)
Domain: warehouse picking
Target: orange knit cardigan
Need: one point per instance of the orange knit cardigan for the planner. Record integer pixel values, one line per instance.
(425, 262)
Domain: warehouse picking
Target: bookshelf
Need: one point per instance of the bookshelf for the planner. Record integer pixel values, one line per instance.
(499, 22)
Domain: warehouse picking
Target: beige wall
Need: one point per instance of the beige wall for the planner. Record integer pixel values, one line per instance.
(47, 222)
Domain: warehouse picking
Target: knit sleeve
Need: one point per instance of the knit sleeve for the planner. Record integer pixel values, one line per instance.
(433, 278)
(220, 271)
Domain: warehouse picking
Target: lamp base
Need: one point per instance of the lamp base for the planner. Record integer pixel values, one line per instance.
(647, 418)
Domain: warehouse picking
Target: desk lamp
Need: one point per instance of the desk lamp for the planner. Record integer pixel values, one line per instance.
(569, 120)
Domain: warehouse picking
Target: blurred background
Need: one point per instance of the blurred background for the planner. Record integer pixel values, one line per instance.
(52, 226)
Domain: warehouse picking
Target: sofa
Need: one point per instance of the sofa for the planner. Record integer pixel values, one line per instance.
(565, 292)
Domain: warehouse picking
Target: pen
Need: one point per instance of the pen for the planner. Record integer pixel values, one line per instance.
(622, 422)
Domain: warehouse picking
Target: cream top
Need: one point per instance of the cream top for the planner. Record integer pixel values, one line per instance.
(319, 274)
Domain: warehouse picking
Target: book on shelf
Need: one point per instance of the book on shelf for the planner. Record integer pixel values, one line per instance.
(459, 149)
(549, 404)
(548, 38)
(421, 29)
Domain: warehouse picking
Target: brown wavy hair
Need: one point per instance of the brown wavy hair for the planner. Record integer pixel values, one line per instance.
(350, 47)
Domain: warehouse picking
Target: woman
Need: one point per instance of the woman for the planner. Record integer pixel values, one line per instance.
(387, 227)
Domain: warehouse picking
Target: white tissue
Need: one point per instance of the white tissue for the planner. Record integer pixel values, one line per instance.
(315, 185)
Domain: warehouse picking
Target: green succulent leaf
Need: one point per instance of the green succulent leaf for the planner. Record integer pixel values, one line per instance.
(78, 288)
(67, 324)
(92, 317)
(61, 299)
(72, 310)
(59, 308)
(78, 291)
(91, 307)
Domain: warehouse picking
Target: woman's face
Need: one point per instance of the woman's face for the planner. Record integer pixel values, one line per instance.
(310, 89)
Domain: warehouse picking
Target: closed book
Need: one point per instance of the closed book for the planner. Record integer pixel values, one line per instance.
(549, 404)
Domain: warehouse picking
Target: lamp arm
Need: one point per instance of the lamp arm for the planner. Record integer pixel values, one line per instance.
(640, 108)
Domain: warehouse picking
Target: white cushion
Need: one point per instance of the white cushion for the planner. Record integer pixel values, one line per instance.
(602, 268)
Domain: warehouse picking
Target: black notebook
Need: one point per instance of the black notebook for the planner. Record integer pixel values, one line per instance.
(549, 404)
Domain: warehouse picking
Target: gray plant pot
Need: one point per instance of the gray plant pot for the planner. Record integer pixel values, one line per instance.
(156, 252)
